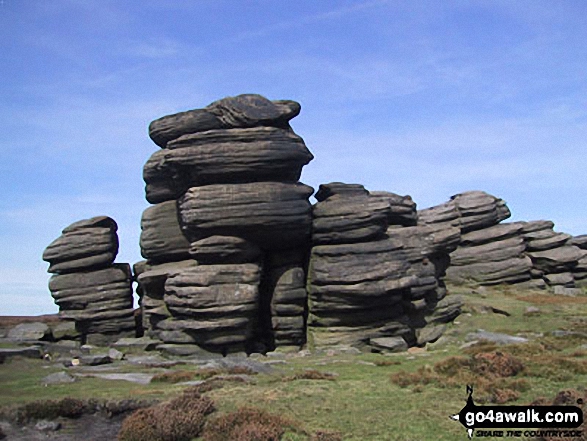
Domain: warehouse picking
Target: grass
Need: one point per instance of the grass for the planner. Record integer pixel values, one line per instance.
(354, 396)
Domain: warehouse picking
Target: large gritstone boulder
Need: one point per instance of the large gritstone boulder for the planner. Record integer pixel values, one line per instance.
(580, 270)
(555, 257)
(84, 245)
(491, 256)
(348, 216)
(225, 156)
(479, 210)
(100, 302)
(242, 111)
(273, 215)
(356, 291)
(161, 236)
(151, 280)
(445, 215)
(427, 249)
(402, 209)
(212, 306)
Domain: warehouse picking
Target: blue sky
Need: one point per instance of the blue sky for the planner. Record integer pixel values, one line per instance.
(425, 98)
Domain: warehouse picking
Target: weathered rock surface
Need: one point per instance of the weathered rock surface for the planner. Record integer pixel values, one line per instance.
(348, 216)
(557, 260)
(213, 306)
(446, 215)
(479, 210)
(161, 237)
(273, 215)
(229, 156)
(98, 301)
(151, 289)
(87, 244)
(242, 111)
(356, 291)
(491, 255)
(402, 208)
(30, 331)
(225, 249)
(285, 288)
(579, 241)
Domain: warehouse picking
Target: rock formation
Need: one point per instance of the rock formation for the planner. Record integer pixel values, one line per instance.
(530, 254)
(227, 240)
(237, 259)
(87, 286)
(373, 282)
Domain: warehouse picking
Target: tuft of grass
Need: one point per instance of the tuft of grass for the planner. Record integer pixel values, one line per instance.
(322, 435)
(50, 409)
(174, 377)
(386, 363)
(311, 374)
(201, 374)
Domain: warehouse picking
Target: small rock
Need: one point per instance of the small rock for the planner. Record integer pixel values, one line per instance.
(494, 337)
(65, 330)
(48, 426)
(58, 378)
(95, 360)
(115, 355)
(139, 378)
(28, 352)
(430, 334)
(388, 344)
(561, 290)
(142, 343)
(532, 310)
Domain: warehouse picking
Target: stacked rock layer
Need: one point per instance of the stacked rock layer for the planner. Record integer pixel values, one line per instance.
(529, 254)
(87, 286)
(374, 281)
(228, 208)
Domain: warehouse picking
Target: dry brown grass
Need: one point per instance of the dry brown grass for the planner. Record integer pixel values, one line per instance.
(490, 374)
(180, 419)
(570, 397)
(322, 435)
(174, 377)
(311, 374)
(545, 299)
(386, 362)
(247, 424)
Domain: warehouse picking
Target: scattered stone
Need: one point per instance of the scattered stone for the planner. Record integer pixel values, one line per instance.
(48, 426)
(572, 292)
(115, 355)
(388, 344)
(139, 378)
(95, 360)
(58, 378)
(494, 337)
(28, 352)
(65, 330)
(137, 343)
(30, 332)
(532, 310)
